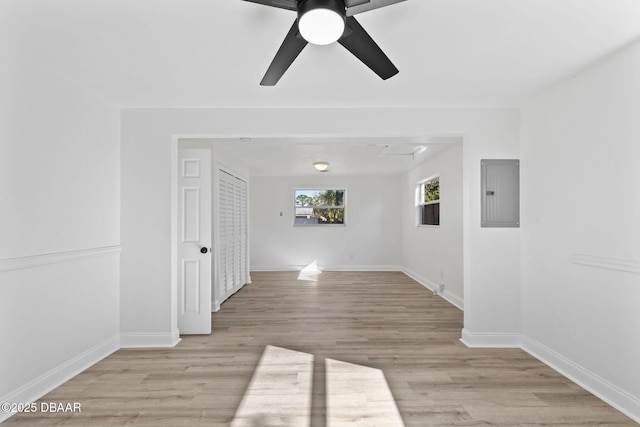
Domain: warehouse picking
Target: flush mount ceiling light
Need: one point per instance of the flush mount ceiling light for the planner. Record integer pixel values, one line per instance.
(321, 166)
(321, 22)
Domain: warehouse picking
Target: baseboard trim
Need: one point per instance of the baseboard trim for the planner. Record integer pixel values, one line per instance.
(450, 297)
(328, 268)
(491, 340)
(55, 258)
(599, 387)
(361, 268)
(613, 395)
(42, 385)
(454, 299)
(149, 339)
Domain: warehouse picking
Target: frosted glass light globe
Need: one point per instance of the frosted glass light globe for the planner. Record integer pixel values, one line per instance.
(321, 26)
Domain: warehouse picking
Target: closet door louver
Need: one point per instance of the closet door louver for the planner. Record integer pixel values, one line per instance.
(244, 233)
(232, 234)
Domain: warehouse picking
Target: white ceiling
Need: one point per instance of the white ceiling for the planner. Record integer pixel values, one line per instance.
(213, 53)
(366, 155)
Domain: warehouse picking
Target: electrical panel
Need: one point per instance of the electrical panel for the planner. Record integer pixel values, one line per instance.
(500, 198)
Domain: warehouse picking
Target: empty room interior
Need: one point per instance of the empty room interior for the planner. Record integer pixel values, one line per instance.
(210, 216)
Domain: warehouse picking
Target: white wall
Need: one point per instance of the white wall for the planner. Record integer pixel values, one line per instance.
(59, 227)
(581, 204)
(491, 258)
(433, 254)
(370, 240)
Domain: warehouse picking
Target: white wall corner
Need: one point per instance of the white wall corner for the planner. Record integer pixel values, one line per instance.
(149, 339)
(491, 339)
(613, 395)
(450, 297)
(59, 375)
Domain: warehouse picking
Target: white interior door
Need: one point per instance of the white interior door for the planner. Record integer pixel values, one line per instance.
(194, 241)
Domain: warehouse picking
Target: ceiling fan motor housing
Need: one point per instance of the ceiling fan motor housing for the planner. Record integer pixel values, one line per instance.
(335, 5)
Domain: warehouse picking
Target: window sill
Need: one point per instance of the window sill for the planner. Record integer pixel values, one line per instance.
(319, 225)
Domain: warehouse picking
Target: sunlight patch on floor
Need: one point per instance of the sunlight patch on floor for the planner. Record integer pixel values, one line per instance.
(310, 273)
(279, 394)
(359, 396)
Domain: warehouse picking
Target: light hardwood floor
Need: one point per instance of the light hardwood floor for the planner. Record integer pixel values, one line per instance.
(381, 320)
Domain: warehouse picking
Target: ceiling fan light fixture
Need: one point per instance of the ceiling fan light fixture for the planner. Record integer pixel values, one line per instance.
(321, 22)
(321, 166)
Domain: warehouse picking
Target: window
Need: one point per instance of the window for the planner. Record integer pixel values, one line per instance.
(429, 202)
(319, 207)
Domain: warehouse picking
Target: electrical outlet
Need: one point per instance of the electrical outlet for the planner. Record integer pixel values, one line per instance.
(441, 289)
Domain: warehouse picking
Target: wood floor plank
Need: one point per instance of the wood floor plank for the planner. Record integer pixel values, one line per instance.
(380, 320)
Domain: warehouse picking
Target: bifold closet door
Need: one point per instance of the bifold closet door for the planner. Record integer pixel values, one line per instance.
(244, 232)
(232, 233)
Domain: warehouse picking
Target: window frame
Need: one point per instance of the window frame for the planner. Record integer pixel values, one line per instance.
(321, 190)
(420, 203)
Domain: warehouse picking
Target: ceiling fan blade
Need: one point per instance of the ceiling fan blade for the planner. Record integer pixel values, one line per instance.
(282, 4)
(352, 3)
(289, 50)
(358, 6)
(359, 42)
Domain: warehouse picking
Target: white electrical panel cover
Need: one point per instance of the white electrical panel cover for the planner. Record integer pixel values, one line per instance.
(500, 192)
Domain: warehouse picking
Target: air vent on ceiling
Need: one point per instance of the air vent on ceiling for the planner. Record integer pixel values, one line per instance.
(401, 150)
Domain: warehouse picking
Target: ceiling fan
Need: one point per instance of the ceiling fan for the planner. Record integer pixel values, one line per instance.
(324, 22)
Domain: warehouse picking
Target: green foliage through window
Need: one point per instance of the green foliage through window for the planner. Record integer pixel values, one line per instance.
(429, 207)
(319, 207)
(431, 190)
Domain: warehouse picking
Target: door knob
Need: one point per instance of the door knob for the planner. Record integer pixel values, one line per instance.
(204, 250)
